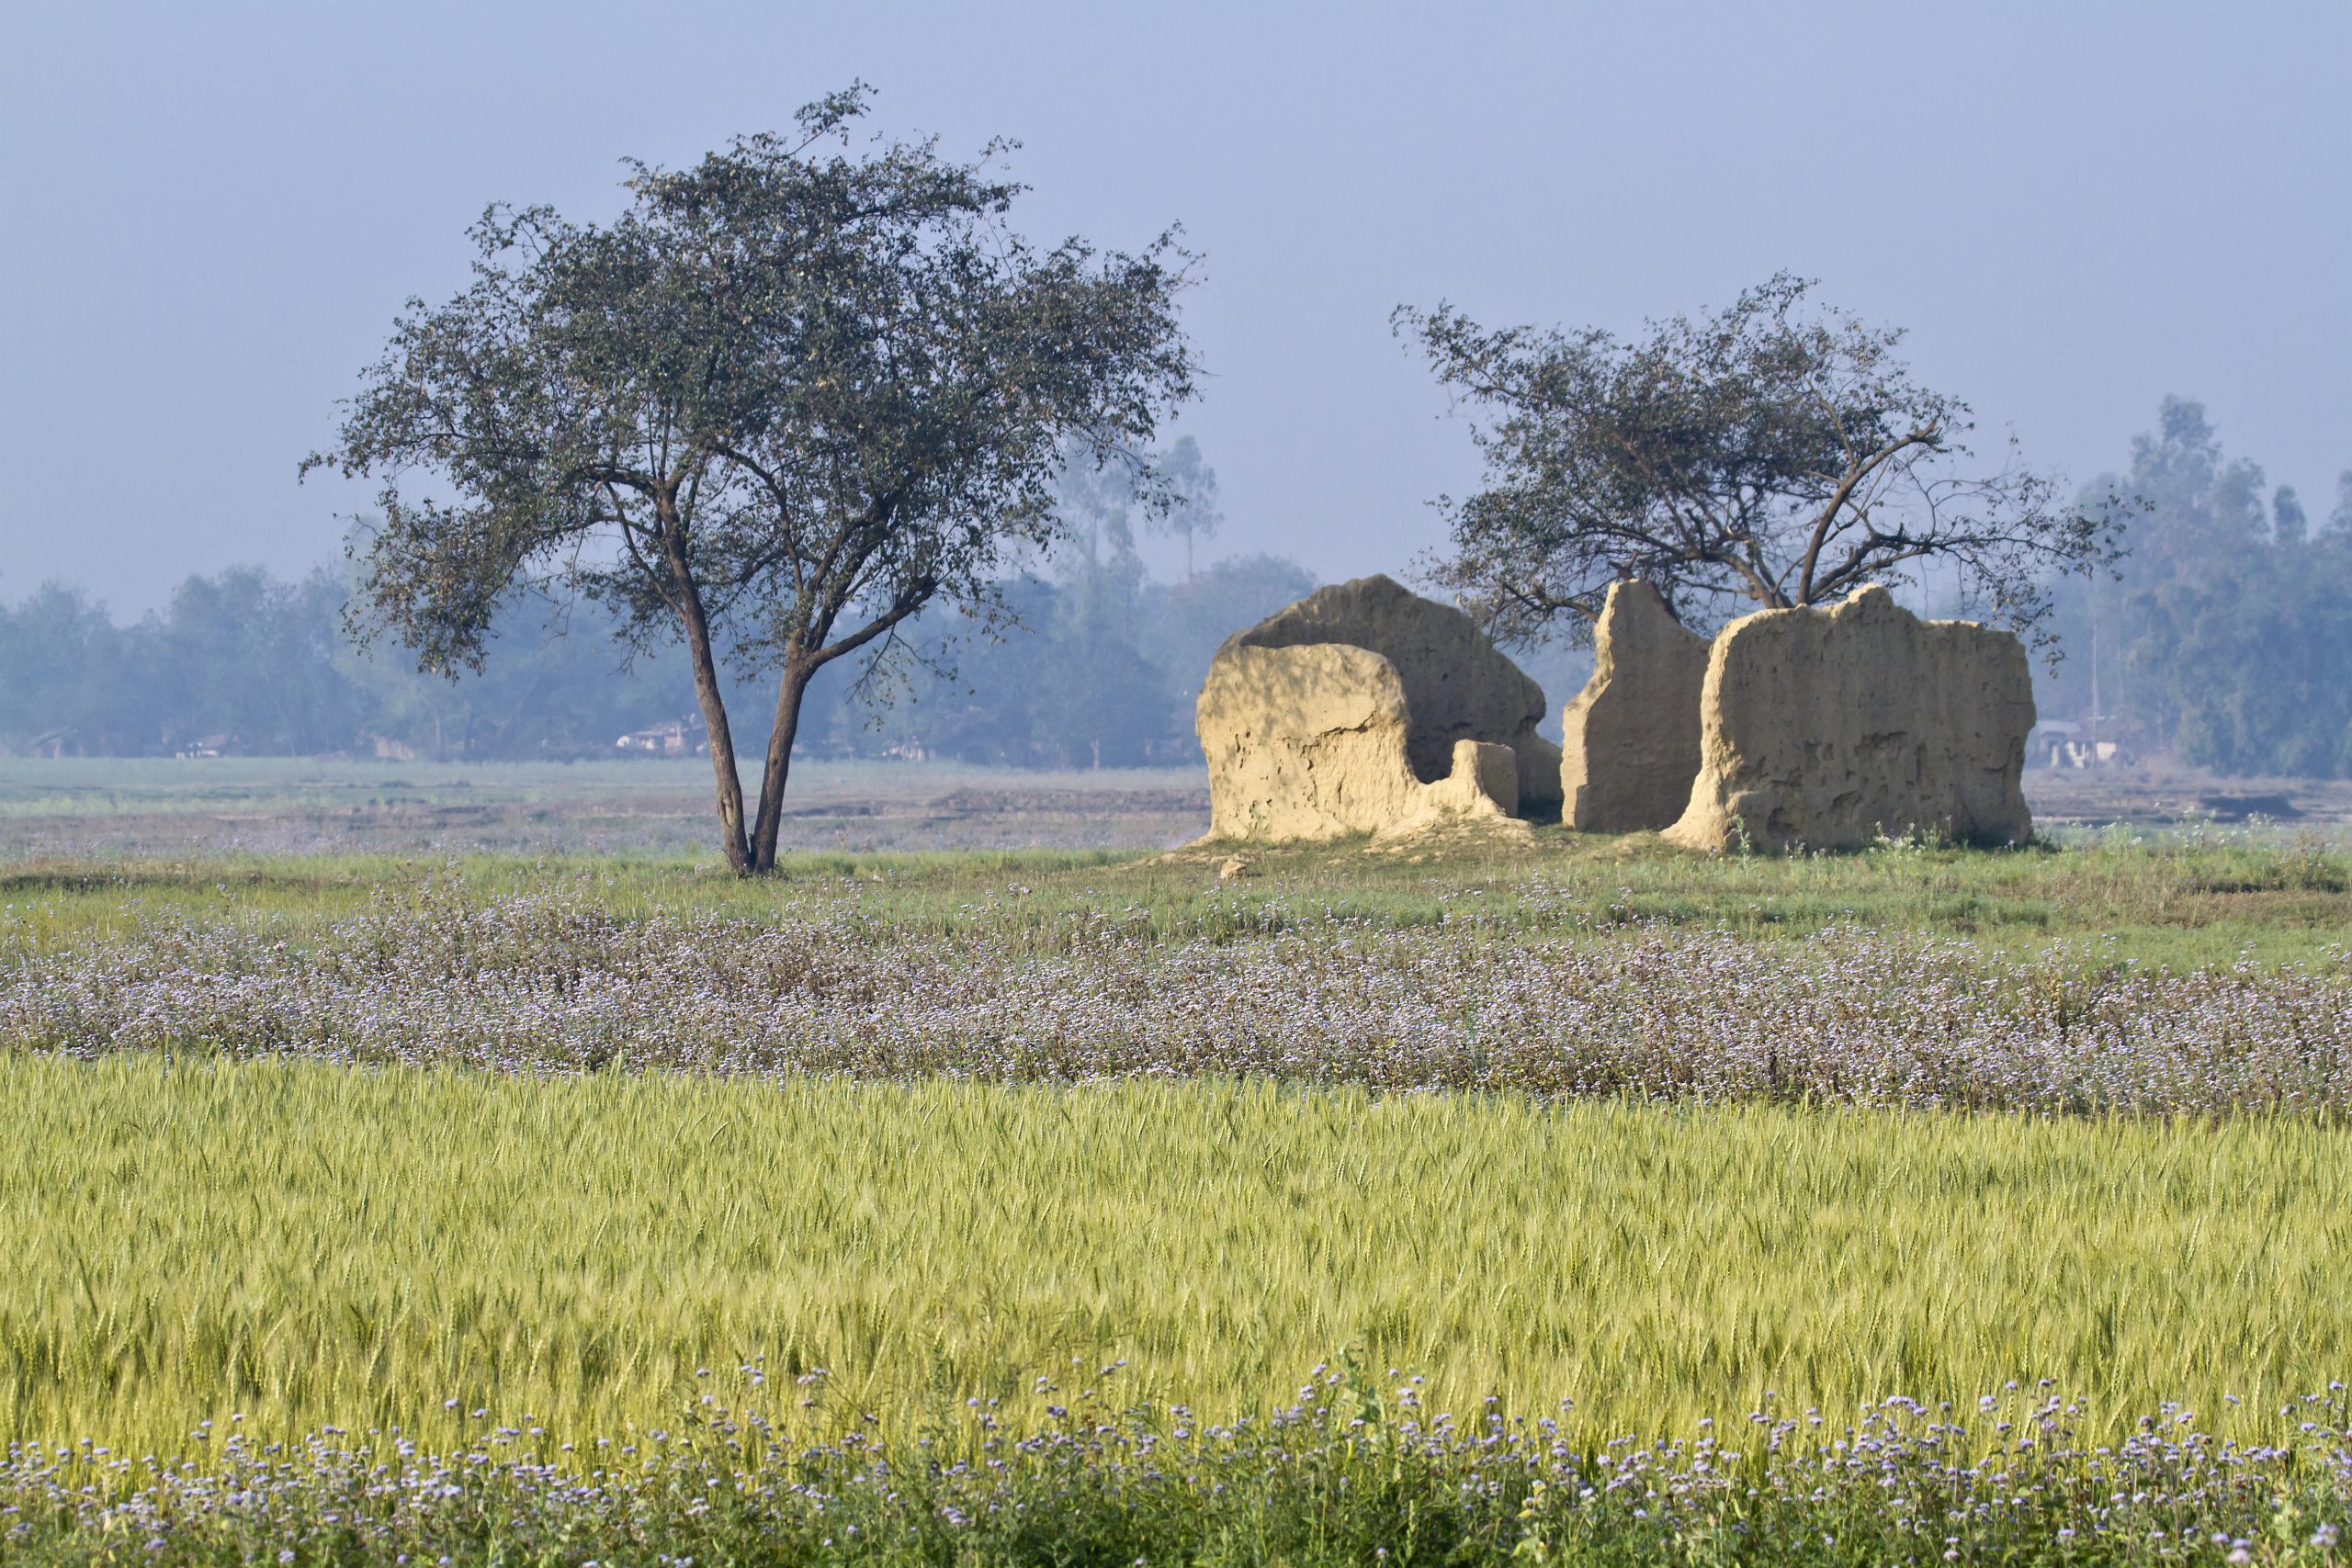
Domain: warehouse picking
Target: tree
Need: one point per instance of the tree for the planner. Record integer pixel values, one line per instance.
(2291, 523)
(566, 694)
(2232, 646)
(1191, 513)
(792, 396)
(245, 654)
(1175, 490)
(1101, 700)
(69, 678)
(1765, 458)
(1190, 620)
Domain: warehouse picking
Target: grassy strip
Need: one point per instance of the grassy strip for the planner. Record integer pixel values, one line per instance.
(2177, 904)
(305, 1245)
(1349, 1472)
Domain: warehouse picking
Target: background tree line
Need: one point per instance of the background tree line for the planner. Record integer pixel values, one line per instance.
(2226, 638)
(1103, 669)
(2225, 642)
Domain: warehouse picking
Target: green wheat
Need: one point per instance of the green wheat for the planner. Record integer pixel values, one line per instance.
(300, 1245)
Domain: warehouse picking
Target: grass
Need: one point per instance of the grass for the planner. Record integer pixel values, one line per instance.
(285, 1246)
(301, 1245)
(2176, 904)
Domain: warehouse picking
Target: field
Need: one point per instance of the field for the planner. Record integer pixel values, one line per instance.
(162, 807)
(150, 807)
(561, 1151)
(306, 1246)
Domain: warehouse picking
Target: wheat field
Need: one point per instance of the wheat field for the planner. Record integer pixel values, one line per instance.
(274, 1246)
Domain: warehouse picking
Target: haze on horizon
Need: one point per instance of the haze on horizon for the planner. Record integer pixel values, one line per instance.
(215, 217)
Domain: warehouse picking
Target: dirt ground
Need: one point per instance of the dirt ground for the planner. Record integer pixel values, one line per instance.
(101, 809)
(84, 808)
(2158, 796)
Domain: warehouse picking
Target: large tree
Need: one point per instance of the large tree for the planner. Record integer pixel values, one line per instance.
(1771, 455)
(791, 396)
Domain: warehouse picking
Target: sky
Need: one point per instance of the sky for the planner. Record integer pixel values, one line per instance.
(213, 212)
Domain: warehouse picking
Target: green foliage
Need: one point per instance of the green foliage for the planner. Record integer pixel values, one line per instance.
(1759, 458)
(241, 654)
(791, 397)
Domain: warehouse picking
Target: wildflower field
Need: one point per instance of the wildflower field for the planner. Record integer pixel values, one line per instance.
(1579, 1203)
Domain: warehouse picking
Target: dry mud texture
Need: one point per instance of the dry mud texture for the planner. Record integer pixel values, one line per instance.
(1630, 741)
(1456, 686)
(1310, 741)
(1830, 728)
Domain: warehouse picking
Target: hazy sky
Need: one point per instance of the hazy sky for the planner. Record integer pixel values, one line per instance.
(212, 212)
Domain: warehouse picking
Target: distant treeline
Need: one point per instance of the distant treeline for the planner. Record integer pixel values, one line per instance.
(2226, 643)
(1101, 671)
(2227, 640)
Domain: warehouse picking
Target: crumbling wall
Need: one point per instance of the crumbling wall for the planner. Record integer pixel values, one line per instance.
(1630, 741)
(1457, 685)
(1483, 783)
(1309, 742)
(1826, 728)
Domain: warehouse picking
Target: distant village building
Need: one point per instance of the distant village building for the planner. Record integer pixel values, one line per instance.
(2073, 746)
(221, 744)
(676, 738)
(2090, 754)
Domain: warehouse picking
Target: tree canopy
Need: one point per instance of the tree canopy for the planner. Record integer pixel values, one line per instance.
(790, 397)
(2224, 638)
(1769, 455)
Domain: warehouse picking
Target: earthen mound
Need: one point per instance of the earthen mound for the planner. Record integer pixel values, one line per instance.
(1310, 742)
(1829, 728)
(1457, 685)
(1630, 741)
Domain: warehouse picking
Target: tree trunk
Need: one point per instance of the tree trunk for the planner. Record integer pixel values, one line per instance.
(788, 697)
(732, 839)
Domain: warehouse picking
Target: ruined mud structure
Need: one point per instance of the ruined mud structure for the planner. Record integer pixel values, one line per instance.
(1826, 729)
(1630, 741)
(1366, 709)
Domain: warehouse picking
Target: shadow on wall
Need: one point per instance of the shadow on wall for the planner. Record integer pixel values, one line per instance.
(1808, 728)
(1366, 709)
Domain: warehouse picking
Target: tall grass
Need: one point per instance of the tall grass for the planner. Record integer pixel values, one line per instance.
(296, 1246)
